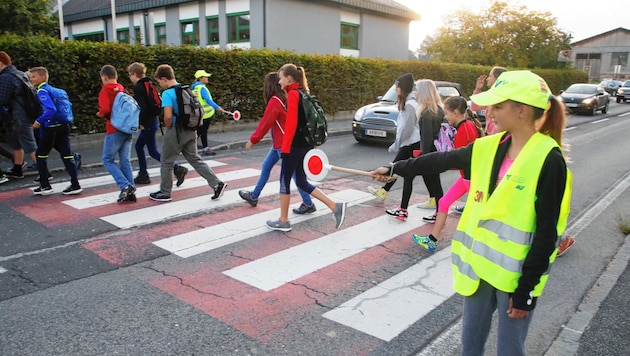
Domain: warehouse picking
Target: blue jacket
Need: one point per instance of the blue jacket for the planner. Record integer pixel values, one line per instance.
(47, 118)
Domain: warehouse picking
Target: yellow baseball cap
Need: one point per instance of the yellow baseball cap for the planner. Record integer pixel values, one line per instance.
(521, 86)
(202, 73)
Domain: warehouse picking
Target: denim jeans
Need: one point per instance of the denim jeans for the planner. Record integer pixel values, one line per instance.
(272, 158)
(147, 138)
(292, 166)
(118, 143)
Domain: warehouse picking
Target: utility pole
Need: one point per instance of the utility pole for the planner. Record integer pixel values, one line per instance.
(114, 36)
(62, 32)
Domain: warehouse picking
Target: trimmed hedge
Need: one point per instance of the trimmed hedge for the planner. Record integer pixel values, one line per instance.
(341, 83)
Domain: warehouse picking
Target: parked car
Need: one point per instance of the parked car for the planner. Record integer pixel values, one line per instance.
(377, 122)
(611, 86)
(586, 98)
(623, 93)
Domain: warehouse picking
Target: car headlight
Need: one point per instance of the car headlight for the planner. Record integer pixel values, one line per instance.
(358, 116)
(588, 101)
(620, 91)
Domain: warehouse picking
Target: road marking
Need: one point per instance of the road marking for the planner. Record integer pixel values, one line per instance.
(389, 308)
(600, 120)
(285, 266)
(141, 192)
(2, 270)
(203, 240)
(624, 114)
(569, 128)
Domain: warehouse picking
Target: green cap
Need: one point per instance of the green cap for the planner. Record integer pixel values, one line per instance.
(202, 73)
(521, 86)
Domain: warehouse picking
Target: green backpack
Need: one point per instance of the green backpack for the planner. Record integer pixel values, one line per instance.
(315, 129)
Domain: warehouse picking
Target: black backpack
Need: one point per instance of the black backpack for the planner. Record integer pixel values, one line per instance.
(315, 128)
(190, 113)
(154, 101)
(31, 103)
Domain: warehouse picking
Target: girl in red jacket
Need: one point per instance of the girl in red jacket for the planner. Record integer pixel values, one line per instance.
(468, 130)
(294, 148)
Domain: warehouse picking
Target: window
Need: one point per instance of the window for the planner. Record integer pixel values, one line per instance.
(238, 27)
(92, 37)
(160, 33)
(349, 35)
(213, 29)
(619, 58)
(190, 32)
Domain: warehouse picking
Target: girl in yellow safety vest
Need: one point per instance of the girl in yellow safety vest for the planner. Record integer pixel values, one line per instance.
(209, 107)
(517, 208)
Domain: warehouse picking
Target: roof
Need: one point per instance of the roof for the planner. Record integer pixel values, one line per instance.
(77, 10)
(603, 34)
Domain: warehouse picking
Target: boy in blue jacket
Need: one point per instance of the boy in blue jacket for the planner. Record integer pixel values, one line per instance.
(54, 134)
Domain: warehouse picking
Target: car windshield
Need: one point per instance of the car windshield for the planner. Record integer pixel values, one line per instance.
(626, 83)
(581, 89)
(445, 92)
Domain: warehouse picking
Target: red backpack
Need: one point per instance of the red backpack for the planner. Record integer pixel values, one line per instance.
(153, 98)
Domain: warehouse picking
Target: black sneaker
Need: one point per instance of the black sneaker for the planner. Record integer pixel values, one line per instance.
(247, 196)
(77, 160)
(159, 196)
(126, 192)
(32, 167)
(181, 175)
(219, 190)
(305, 209)
(43, 191)
(142, 179)
(72, 190)
(37, 180)
(15, 175)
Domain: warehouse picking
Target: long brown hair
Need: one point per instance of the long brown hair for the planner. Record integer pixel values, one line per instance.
(297, 73)
(271, 87)
(553, 121)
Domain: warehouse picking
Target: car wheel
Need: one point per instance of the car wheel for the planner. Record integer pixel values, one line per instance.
(605, 109)
(618, 100)
(593, 110)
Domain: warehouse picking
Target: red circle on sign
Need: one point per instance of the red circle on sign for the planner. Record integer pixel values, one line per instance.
(237, 115)
(315, 165)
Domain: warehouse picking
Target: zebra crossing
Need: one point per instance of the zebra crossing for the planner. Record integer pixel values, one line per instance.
(313, 250)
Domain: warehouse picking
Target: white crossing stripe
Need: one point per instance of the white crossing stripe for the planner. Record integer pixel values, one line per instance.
(389, 308)
(213, 237)
(92, 201)
(285, 266)
(2, 270)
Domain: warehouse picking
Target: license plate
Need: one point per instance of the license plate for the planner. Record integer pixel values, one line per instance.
(571, 105)
(377, 133)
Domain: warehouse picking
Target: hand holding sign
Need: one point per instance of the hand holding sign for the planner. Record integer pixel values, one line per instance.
(316, 166)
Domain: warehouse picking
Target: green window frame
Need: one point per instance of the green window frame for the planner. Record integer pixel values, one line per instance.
(122, 35)
(190, 31)
(238, 27)
(349, 35)
(212, 23)
(90, 36)
(160, 33)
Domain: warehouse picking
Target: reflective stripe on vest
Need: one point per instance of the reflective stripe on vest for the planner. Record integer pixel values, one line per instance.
(207, 109)
(492, 241)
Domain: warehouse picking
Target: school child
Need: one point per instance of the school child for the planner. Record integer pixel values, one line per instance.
(461, 118)
(54, 134)
(407, 141)
(520, 189)
(200, 89)
(488, 80)
(149, 124)
(178, 140)
(273, 119)
(117, 143)
(294, 148)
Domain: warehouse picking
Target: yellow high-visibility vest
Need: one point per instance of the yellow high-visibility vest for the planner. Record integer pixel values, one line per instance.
(494, 234)
(207, 108)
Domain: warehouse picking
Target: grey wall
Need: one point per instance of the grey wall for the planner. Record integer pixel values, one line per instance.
(257, 23)
(383, 37)
(173, 28)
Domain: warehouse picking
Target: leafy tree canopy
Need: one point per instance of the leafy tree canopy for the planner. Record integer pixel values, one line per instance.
(501, 34)
(27, 17)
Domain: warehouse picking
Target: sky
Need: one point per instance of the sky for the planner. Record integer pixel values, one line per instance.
(572, 16)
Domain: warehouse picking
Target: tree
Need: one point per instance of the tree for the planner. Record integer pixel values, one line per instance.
(500, 35)
(27, 17)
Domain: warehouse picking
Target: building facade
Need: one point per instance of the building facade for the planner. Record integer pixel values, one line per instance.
(603, 56)
(370, 28)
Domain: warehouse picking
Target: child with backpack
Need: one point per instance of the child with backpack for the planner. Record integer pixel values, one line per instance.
(180, 136)
(294, 148)
(468, 129)
(116, 143)
(55, 132)
(148, 98)
(200, 89)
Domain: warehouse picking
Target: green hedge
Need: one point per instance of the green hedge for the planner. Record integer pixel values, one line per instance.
(341, 83)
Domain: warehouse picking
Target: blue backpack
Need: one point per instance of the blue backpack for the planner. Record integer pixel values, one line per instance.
(62, 102)
(125, 114)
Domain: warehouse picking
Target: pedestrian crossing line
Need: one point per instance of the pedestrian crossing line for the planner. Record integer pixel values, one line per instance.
(91, 201)
(107, 179)
(389, 308)
(213, 237)
(285, 266)
(2, 270)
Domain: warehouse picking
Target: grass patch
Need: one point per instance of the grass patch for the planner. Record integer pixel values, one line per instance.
(624, 225)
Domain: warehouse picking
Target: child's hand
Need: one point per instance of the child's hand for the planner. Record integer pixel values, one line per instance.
(381, 174)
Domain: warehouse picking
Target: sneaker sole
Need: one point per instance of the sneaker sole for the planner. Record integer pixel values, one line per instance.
(343, 215)
(221, 193)
(49, 192)
(160, 200)
(73, 192)
(401, 218)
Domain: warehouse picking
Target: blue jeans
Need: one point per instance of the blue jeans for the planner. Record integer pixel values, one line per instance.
(118, 143)
(477, 320)
(272, 158)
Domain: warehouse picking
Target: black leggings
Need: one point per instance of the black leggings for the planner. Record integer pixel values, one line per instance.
(404, 153)
(203, 132)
